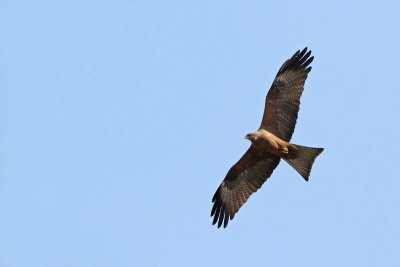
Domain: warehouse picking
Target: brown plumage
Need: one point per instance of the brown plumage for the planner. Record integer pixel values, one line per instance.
(270, 142)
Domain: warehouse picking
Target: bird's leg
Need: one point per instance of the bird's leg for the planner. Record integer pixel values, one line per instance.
(282, 146)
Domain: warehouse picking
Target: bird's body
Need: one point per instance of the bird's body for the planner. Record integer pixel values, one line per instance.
(270, 143)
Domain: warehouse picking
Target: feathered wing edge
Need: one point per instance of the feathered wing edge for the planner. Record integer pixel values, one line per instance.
(299, 60)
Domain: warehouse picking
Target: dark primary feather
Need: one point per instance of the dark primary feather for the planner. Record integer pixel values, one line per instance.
(283, 99)
(242, 180)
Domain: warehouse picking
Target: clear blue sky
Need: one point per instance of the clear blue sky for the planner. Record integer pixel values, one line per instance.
(119, 119)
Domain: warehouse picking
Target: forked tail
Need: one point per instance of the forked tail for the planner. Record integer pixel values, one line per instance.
(304, 160)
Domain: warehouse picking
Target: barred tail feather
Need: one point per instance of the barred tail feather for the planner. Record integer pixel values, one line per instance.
(304, 160)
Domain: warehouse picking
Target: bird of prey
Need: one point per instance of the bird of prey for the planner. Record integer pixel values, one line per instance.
(270, 143)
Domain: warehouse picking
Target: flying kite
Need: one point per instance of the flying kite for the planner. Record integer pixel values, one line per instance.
(270, 143)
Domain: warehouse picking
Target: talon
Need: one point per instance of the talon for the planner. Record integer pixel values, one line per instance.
(285, 150)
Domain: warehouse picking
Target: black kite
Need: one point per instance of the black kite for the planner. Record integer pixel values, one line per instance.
(270, 142)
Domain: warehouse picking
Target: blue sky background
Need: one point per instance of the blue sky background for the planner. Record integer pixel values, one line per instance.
(119, 119)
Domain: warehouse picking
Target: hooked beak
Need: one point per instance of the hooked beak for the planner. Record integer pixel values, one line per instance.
(247, 137)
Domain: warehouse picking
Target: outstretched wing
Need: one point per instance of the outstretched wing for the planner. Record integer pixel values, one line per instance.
(283, 99)
(242, 180)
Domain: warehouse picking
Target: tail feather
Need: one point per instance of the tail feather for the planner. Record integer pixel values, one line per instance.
(304, 159)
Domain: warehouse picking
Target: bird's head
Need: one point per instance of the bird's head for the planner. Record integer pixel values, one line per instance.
(251, 136)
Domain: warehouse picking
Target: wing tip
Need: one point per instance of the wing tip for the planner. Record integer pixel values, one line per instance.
(301, 59)
(220, 213)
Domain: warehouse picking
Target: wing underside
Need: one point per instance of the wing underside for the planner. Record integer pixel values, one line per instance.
(242, 180)
(282, 103)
